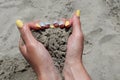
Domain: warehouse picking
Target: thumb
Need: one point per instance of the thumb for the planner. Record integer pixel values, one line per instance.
(76, 24)
(25, 32)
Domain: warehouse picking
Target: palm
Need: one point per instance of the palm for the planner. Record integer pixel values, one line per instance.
(75, 46)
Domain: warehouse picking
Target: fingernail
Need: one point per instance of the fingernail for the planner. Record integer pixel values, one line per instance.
(61, 24)
(42, 25)
(37, 25)
(78, 13)
(47, 25)
(55, 23)
(52, 26)
(67, 23)
(19, 23)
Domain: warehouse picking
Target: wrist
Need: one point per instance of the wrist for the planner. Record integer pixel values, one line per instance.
(73, 59)
(73, 62)
(73, 55)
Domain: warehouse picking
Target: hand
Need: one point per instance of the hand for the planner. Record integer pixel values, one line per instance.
(75, 41)
(36, 54)
(73, 68)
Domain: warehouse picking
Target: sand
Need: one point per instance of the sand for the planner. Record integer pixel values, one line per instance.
(100, 24)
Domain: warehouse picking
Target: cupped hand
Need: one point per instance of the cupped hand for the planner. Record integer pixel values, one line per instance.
(73, 67)
(75, 41)
(36, 54)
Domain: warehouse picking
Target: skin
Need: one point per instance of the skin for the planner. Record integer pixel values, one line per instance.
(74, 69)
(40, 60)
(36, 54)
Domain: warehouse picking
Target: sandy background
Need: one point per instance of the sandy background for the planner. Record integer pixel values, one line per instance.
(100, 23)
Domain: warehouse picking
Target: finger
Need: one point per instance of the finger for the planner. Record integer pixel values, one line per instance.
(76, 24)
(22, 47)
(68, 23)
(26, 33)
(34, 25)
(62, 23)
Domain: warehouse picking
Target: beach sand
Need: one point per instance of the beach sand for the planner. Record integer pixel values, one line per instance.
(100, 24)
